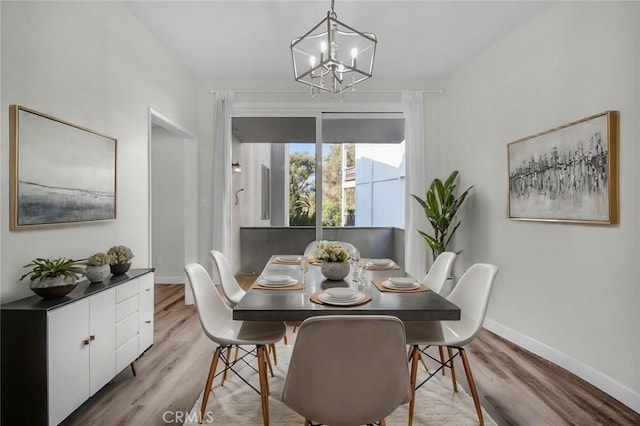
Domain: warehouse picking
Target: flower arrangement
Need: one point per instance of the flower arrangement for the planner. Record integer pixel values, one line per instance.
(120, 254)
(99, 259)
(332, 252)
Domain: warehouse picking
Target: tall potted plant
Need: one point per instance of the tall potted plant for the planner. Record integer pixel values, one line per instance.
(440, 206)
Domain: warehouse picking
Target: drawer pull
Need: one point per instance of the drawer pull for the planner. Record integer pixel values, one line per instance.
(92, 337)
(148, 322)
(85, 342)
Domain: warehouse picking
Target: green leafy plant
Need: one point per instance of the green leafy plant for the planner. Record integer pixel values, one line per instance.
(62, 268)
(99, 259)
(120, 254)
(332, 252)
(440, 206)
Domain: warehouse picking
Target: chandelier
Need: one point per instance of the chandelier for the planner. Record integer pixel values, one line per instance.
(332, 56)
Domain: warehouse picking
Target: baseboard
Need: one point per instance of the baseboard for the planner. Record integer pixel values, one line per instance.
(617, 390)
(168, 280)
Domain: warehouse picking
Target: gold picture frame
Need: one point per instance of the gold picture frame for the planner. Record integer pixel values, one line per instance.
(566, 174)
(60, 173)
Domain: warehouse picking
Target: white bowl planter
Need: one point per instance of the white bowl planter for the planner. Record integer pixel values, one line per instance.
(335, 271)
(97, 274)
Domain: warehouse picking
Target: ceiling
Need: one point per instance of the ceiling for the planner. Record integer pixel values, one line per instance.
(249, 40)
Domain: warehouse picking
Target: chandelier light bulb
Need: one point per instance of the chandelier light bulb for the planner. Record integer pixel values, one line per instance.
(323, 46)
(312, 61)
(354, 53)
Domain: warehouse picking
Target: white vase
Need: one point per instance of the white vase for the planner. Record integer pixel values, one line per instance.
(335, 270)
(97, 274)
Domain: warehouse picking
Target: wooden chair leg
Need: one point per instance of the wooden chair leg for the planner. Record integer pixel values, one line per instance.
(442, 359)
(414, 372)
(424, 364)
(226, 366)
(133, 367)
(207, 386)
(285, 340)
(382, 422)
(264, 385)
(235, 357)
(453, 370)
(268, 361)
(273, 352)
(472, 385)
(306, 422)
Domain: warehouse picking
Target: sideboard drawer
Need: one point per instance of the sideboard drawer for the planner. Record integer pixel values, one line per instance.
(126, 354)
(126, 329)
(126, 308)
(126, 290)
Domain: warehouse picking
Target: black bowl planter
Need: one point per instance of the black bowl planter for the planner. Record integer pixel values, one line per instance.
(120, 268)
(53, 292)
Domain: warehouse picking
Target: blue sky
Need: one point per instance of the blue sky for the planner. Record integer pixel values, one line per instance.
(308, 148)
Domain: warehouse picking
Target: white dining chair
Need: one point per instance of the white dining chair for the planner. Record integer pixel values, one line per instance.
(435, 280)
(471, 295)
(348, 370)
(312, 248)
(234, 293)
(218, 325)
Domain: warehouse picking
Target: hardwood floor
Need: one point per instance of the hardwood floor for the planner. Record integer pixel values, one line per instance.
(516, 387)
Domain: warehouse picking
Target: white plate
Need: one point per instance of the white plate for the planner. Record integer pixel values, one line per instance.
(402, 281)
(291, 258)
(287, 283)
(341, 293)
(276, 279)
(392, 286)
(326, 298)
(381, 262)
(372, 265)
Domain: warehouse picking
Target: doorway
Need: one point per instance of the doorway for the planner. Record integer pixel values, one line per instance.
(173, 198)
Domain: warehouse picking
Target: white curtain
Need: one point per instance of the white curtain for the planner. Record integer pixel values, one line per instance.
(221, 195)
(415, 247)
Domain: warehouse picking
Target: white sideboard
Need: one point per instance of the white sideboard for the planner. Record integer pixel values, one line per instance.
(58, 353)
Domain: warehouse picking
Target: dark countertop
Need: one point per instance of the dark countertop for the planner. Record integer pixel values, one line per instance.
(82, 290)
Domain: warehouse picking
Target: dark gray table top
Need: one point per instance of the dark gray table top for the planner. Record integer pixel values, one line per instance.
(295, 305)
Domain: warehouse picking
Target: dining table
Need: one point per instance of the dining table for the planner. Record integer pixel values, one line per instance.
(294, 303)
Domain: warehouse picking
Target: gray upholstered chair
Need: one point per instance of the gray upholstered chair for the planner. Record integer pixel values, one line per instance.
(348, 370)
(217, 323)
(471, 295)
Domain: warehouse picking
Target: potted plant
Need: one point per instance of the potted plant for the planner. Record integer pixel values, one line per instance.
(120, 259)
(53, 278)
(98, 267)
(440, 206)
(335, 260)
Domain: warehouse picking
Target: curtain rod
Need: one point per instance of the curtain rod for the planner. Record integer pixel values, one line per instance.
(258, 91)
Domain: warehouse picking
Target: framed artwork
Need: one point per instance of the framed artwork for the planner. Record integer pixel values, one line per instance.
(60, 173)
(566, 174)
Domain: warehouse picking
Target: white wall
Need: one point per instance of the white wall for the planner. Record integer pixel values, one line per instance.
(167, 210)
(569, 292)
(93, 64)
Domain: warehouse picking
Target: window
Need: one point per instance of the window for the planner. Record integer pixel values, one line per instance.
(361, 162)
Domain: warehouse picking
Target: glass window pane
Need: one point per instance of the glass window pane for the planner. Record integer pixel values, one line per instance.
(366, 190)
(302, 186)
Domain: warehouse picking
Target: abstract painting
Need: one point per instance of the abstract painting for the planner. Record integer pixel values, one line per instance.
(566, 174)
(61, 173)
